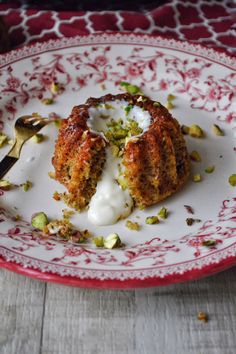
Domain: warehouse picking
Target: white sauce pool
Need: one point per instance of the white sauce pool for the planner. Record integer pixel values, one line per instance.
(110, 202)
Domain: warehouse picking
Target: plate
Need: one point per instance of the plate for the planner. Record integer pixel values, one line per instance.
(204, 83)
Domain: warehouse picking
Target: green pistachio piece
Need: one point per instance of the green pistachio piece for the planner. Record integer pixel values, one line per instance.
(39, 220)
(209, 169)
(98, 241)
(3, 139)
(47, 101)
(217, 130)
(156, 104)
(122, 182)
(171, 97)
(112, 241)
(232, 180)
(197, 177)
(115, 150)
(195, 131)
(5, 185)
(152, 220)
(55, 87)
(132, 89)
(128, 109)
(27, 185)
(38, 138)
(195, 156)
(132, 225)
(163, 213)
(169, 105)
(185, 129)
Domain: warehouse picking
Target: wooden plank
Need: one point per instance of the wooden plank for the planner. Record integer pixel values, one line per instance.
(21, 304)
(166, 318)
(88, 321)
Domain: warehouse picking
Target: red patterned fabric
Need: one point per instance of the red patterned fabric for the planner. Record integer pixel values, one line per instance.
(211, 22)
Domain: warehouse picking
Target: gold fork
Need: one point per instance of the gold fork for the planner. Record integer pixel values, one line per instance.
(25, 128)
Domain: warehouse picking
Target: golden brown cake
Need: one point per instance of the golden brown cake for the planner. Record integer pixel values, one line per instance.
(153, 156)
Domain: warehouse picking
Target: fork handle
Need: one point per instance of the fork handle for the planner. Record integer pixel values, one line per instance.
(6, 163)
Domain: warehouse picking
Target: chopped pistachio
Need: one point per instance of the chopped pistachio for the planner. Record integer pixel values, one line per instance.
(132, 89)
(112, 241)
(135, 226)
(197, 177)
(67, 214)
(17, 217)
(195, 156)
(232, 180)
(195, 131)
(209, 243)
(122, 182)
(210, 169)
(39, 220)
(185, 129)
(169, 105)
(156, 104)
(217, 130)
(3, 139)
(163, 213)
(128, 109)
(55, 87)
(5, 185)
(152, 220)
(47, 101)
(27, 185)
(51, 174)
(58, 122)
(108, 106)
(98, 241)
(38, 138)
(171, 97)
(202, 316)
(115, 150)
(56, 196)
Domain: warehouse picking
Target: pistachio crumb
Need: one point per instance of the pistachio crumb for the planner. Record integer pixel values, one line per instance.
(232, 180)
(163, 213)
(184, 129)
(171, 97)
(152, 220)
(3, 139)
(210, 169)
(169, 105)
(217, 130)
(67, 214)
(26, 186)
(202, 316)
(39, 220)
(135, 226)
(195, 156)
(5, 185)
(156, 104)
(132, 89)
(38, 138)
(55, 87)
(197, 177)
(98, 241)
(47, 101)
(195, 131)
(112, 241)
(51, 174)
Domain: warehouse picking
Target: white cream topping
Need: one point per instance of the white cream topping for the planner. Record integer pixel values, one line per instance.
(110, 202)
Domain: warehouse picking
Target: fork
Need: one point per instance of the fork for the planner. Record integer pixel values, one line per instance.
(25, 128)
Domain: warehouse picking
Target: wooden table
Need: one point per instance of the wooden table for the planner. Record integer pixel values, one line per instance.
(45, 318)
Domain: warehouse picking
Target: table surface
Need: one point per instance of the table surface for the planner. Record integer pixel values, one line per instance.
(46, 318)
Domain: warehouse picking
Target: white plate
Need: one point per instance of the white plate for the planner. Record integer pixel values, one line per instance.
(204, 82)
